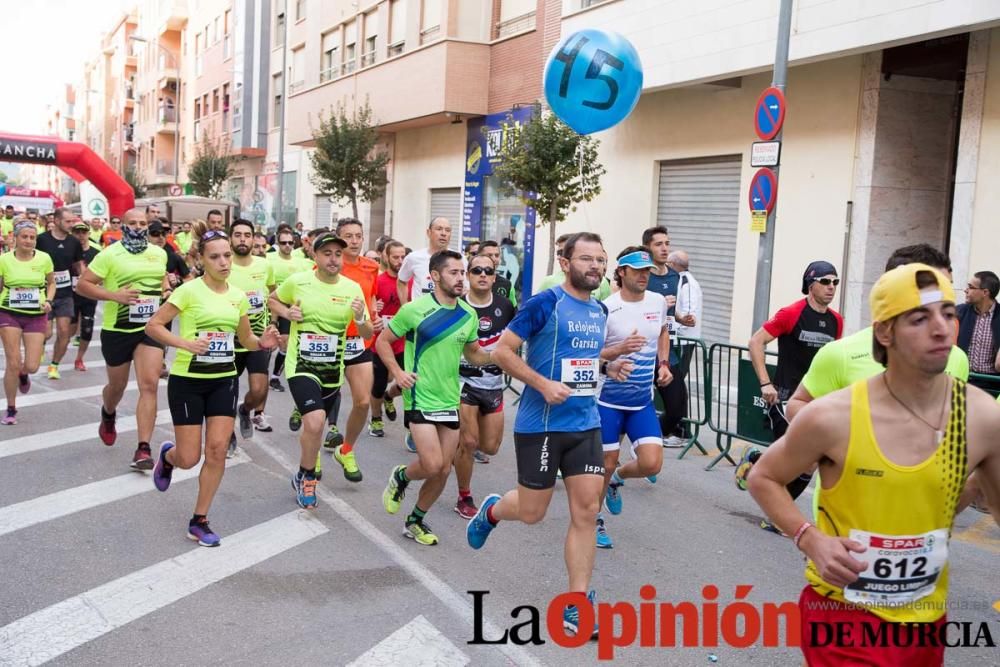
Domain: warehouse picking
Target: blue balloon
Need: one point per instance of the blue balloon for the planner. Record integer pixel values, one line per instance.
(593, 79)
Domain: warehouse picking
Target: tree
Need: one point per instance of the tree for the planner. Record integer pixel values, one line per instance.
(211, 168)
(135, 180)
(3, 177)
(347, 163)
(549, 167)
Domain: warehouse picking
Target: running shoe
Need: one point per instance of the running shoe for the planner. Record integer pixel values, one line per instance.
(163, 471)
(54, 372)
(106, 430)
(651, 479)
(394, 492)
(466, 508)
(295, 420)
(571, 616)
(276, 385)
(24, 382)
(143, 458)
(246, 425)
(603, 539)
(480, 527)
(319, 466)
(376, 428)
(390, 409)
(79, 366)
(479, 457)
(76, 341)
(350, 465)
(411, 446)
(771, 528)
(164, 372)
(261, 423)
(420, 532)
(305, 490)
(9, 419)
(674, 442)
(748, 458)
(202, 534)
(231, 449)
(333, 438)
(613, 498)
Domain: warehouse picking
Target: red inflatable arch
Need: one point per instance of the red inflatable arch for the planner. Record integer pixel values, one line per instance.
(76, 159)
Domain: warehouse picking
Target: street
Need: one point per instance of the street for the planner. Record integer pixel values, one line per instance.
(97, 568)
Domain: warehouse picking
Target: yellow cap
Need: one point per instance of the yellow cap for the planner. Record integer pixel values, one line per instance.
(896, 292)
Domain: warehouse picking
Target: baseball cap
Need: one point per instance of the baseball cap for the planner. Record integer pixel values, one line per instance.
(896, 292)
(155, 226)
(81, 227)
(816, 270)
(323, 239)
(639, 259)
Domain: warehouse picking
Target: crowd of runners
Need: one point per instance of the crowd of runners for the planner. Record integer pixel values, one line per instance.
(900, 441)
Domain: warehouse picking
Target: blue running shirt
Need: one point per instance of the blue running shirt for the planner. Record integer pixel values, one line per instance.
(648, 317)
(564, 337)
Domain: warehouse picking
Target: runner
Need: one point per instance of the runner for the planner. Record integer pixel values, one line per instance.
(557, 426)
(255, 276)
(284, 264)
(638, 331)
(113, 234)
(439, 327)
(96, 229)
(386, 295)
(319, 304)
(215, 220)
(67, 258)
(27, 287)
(481, 410)
(131, 277)
(501, 285)
(84, 310)
(889, 449)
(203, 386)
(414, 276)
(357, 352)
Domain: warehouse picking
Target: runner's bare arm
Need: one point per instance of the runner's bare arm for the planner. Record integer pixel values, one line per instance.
(798, 400)
(278, 307)
(476, 355)
(757, 343)
(156, 328)
(983, 433)
(663, 374)
(506, 357)
(90, 287)
(383, 348)
(50, 287)
(404, 294)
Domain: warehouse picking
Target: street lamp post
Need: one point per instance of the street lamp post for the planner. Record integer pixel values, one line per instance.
(177, 106)
(280, 189)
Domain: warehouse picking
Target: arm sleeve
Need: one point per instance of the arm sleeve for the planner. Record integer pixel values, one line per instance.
(784, 320)
(269, 278)
(179, 298)
(402, 322)
(696, 300)
(49, 267)
(286, 292)
(533, 315)
(825, 372)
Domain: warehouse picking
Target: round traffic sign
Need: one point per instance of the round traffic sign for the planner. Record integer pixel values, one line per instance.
(763, 190)
(175, 190)
(769, 114)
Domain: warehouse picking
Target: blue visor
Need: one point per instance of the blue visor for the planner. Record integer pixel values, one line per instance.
(637, 260)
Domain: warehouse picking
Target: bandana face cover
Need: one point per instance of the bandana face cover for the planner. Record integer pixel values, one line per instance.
(134, 240)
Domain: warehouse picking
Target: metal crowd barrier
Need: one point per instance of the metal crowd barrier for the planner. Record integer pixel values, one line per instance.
(988, 383)
(693, 358)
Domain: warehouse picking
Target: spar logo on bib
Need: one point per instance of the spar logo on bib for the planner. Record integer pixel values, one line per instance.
(485, 323)
(902, 543)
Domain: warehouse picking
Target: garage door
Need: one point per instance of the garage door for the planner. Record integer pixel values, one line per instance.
(447, 203)
(699, 205)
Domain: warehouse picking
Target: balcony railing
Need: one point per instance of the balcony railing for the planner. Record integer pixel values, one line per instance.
(368, 59)
(167, 114)
(516, 25)
(296, 86)
(397, 48)
(165, 167)
(129, 133)
(349, 66)
(328, 73)
(430, 34)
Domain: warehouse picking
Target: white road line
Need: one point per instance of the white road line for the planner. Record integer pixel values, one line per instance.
(63, 368)
(65, 436)
(63, 503)
(66, 395)
(51, 632)
(416, 643)
(456, 603)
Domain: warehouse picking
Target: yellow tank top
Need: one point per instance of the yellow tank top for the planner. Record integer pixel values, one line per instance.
(903, 514)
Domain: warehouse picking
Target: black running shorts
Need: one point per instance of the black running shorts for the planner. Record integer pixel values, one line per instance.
(540, 455)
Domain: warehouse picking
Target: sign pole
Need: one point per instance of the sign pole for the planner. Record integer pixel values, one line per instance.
(765, 250)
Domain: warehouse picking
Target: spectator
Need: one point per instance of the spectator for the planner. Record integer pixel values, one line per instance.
(979, 322)
(688, 324)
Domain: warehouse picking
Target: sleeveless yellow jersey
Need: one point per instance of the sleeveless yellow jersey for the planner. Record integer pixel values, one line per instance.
(903, 514)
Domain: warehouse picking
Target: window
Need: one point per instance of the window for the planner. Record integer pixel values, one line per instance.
(397, 27)
(430, 20)
(215, 31)
(298, 74)
(279, 30)
(371, 36)
(227, 26)
(330, 61)
(215, 101)
(300, 9)
(590, 3)
(277, 83)
(515, 16)
(350, 46)
(197, 109)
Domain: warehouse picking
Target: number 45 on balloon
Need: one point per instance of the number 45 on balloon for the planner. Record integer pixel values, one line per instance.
(593, 79)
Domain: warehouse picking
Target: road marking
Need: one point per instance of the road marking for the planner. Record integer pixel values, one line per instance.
(63, 503)
(67, 395)
(62, 627)
(65, 368)
(64, 436)
(456, 603)
(417, 643)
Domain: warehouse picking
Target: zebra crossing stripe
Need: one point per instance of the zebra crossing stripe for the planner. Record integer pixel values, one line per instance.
(66, 395)
(51, 632)
(64, 436)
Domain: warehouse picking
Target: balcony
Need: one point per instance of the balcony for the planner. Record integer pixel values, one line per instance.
(368, 59)
(172, 15)
(516, 25)
(415, 89)
(164, 167)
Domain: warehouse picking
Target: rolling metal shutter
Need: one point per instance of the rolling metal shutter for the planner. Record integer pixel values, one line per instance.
(699, 206)
(447, 203)
(323, 211)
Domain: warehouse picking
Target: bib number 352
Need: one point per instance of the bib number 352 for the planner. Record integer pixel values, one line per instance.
(580, 375)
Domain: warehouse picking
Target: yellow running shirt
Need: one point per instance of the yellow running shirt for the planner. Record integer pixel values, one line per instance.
(903, 514)
(254, 280)
(204, 313)
(118, 268)
(24, 282)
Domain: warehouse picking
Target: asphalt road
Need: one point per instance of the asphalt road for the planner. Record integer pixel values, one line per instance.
(95, 568)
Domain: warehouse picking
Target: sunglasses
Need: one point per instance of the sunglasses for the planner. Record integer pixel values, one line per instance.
(827, 281)
(213, 234)
(156, 234)
(480, 270)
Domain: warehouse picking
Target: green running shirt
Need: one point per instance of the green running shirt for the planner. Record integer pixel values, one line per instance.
(117, 267)
(208, 314)
(24, 283)
(254, 280)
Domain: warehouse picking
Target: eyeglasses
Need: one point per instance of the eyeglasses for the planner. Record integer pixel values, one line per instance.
(827, 281)
(480, 270)
(971, 286)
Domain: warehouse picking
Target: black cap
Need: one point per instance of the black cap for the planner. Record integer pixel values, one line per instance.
(816, 270)
(323, 239)
(81, 226)
(155, 226)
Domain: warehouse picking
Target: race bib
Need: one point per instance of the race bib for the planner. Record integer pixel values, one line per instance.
(256, 299)
(671, 324)
(25, 298)
(143, 310)
(75, 280)
(580, 375)
(220, 348)
(353, 347)
(441, 415)
(62, 279)
(428, 285)
(318, 347)
(901, 568)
